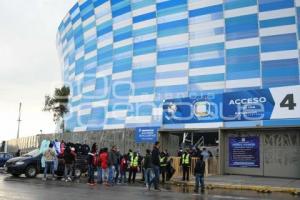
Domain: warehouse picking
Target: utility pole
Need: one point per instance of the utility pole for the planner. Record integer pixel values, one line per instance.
(19, 121)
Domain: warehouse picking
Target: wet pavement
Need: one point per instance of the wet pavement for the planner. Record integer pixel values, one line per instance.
(12, 188)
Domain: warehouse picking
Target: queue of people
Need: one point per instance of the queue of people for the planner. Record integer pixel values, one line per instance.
(57, 155)
(112, 167)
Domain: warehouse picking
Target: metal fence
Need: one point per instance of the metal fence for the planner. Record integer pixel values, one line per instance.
(123, 138)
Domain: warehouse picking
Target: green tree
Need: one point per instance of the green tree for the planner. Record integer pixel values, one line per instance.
(58, 104)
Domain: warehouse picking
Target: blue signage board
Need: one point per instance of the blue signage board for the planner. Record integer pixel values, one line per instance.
(192, 110)
(247, 105)
(146, 134)
(244, 152)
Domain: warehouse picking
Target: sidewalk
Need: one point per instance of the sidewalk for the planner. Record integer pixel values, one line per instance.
(259, 184)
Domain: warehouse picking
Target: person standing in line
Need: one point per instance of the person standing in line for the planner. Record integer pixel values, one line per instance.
(99, 168)
(147, 165)
(92, 163)
(69, 159)
(129, 156)
(123, 168)
(185, 162)
(104, 165)
(199, 174)
(156, 164)
(49, 156)
(113, 160)
(163, 166)
(117, 165)
(134, 163)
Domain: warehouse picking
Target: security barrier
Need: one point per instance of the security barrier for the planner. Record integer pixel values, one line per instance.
(211, 166)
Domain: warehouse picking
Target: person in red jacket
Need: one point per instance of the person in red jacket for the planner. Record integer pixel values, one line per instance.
(103, 160)
(123, 168)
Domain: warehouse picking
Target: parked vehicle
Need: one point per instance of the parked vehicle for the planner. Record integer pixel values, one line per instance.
(30, 165)
(5, 157)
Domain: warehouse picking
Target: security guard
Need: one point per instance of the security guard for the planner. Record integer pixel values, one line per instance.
(163, 165)
(186, 164)
(134, 162)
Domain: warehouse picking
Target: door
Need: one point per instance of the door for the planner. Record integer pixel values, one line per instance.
(282, 153)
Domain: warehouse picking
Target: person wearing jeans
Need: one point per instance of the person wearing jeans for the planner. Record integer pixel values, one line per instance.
(155, 159)
(123, 168)
(69, 159)
(114, 159)
(49, 165)
(111, 174)
(147, 166)
(49, 156)
(103, 164)
(199, 174)
(99, 175)
(92, 163)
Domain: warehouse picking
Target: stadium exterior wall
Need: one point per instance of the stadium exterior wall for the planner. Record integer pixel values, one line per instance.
(123, 59)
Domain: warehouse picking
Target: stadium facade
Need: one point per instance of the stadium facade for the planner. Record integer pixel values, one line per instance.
(138, 63)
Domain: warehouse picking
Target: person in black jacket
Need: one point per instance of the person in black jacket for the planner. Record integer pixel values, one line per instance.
(163, 166)
(156, 164)
(69, 159)
(147, 165)
(92, 163)
(199, 174)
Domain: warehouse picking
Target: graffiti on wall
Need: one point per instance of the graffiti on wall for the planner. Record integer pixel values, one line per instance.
(282, 148)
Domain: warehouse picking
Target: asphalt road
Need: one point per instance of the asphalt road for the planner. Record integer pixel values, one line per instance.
(35, 189)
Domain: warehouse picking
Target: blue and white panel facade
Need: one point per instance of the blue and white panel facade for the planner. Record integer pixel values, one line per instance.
(124, 58)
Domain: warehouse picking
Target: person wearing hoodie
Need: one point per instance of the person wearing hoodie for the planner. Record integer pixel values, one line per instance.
(104, 161)
(99, 168)
(123, 168)
(69, 159)
(92, 163)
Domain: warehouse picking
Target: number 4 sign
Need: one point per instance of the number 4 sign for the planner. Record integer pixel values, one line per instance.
(287, 102)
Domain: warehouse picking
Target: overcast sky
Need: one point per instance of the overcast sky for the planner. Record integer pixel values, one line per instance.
(29, 66)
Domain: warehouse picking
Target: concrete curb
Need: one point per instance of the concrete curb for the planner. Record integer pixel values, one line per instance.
(257, 188)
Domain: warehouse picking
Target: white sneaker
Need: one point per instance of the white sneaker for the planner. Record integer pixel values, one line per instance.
(69, 179)
(63, 179)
